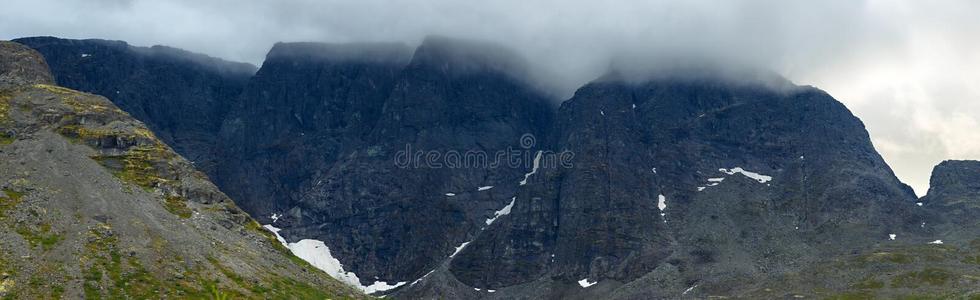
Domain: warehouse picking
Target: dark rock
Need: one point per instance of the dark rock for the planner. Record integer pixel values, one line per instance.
(308, 105)
(633, 142)
(955, 183)
(393, 220)
(181, 96)
(20, 65)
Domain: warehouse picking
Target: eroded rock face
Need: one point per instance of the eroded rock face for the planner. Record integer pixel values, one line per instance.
(753, 182)
(182, 96)
(22, 65)
(954, 200)
(309, 106)
(955, 183)
(400, 221)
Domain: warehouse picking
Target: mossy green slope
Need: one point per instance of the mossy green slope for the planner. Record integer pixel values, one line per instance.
(97, 207)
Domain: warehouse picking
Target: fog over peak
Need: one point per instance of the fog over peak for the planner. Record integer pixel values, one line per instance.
(908, 68)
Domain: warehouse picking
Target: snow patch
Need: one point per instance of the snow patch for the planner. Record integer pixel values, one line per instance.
(688, 290)
(318, 254)
(86, 55)
(662, 205)
(918, 203)
(936, 242)
(460, 248)
(719, 179)
(502, 212)
(534, 168)
(602, 113)
(892, 236)
(484, 188)
(758, 177)
(585, 283)
(420, 278)
(451, 194)
(701, 188)
(275, 217)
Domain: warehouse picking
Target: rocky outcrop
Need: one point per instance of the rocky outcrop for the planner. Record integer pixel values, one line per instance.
(181, 96)
(21, 65)
(96, 206)
(955, 183)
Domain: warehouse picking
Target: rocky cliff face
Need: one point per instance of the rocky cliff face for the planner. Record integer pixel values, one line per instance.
(954, 183)
(699, 181)
(182, 96)
(96, 206)
(671, 187)
(307, 107)
(391, 213)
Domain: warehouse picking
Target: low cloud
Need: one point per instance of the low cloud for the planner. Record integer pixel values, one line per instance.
(908, 68)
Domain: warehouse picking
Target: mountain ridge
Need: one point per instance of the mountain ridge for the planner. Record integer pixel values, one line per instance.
(678, 185)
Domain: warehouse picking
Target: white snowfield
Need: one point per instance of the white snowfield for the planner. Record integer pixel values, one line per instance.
(758, 177)
(484, 188)
(585, 283)
(662, 205)
(318, 254)
(459, 248)
(534, 168)
(502, 212)
(936, 242)
(717, 180)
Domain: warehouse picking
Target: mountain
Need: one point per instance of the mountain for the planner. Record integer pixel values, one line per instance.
(680, 185)
(96, 206)
(182, 96)
(689, 182)
(390, 214)
(308, 106)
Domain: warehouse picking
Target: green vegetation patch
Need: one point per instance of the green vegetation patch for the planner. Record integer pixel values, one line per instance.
(144, 166)
(4, 107)
(853, 295)
(273, 287)
(6, 138)
(869, 284)
(8, 200)
(928, 276)
(886, 257)
(178, 206)
(107, 274)
(42, 235)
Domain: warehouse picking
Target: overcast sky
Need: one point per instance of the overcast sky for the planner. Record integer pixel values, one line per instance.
(909, 69)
